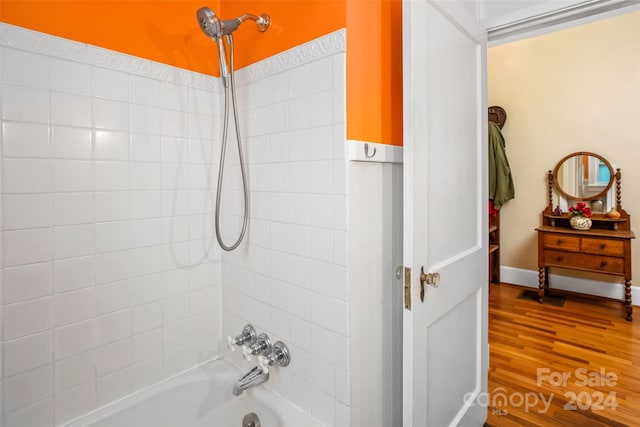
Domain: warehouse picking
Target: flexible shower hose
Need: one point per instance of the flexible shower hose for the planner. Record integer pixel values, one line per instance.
(223, 148)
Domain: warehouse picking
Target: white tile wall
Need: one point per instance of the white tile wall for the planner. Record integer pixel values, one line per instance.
(107, 181)
(101, 175)
(26, 282)
(289, 278)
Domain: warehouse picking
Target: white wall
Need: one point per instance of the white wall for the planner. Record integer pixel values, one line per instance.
(375, 293)
(573, 90)
(107, 285)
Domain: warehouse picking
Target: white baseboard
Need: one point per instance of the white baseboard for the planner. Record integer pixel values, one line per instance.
(529, 278)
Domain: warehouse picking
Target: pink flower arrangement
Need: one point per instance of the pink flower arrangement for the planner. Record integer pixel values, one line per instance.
(580, 209)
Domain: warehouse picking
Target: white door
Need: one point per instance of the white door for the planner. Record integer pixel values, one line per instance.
(445, 214)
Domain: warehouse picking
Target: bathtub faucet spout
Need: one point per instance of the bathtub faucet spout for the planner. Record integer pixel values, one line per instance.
(252, 378)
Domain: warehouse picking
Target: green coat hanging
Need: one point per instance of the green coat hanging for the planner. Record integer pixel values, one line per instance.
(501, 187)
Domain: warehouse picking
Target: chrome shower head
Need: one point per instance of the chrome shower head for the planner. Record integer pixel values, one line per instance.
(209, 22)
(215, 28)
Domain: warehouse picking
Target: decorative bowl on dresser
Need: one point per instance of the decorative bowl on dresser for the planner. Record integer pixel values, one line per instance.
(606, 247)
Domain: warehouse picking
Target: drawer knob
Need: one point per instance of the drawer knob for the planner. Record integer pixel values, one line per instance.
(603, 263)
(559, 258)
(603, 245)
(560, 241)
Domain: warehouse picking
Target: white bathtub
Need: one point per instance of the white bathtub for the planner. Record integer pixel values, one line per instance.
(199, 397)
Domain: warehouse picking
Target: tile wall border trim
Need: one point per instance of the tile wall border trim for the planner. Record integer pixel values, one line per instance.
(15, 37)
(319, 48)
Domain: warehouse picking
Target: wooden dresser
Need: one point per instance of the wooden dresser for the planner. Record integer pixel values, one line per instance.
(605, 248)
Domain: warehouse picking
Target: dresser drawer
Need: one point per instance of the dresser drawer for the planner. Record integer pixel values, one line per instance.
(582, 261)
(559, 241)
(603, 246)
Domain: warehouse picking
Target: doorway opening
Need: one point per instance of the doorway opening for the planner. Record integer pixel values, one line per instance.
(563, 88)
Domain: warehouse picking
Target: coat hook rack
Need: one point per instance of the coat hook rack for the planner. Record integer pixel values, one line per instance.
(366, 151)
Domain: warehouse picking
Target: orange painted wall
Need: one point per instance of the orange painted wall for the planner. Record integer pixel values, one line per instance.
(374, 71)
(166, 31)
(293, 22)
(162, 30)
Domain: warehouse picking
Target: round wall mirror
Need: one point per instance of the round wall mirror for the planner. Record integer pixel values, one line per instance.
(583, 176)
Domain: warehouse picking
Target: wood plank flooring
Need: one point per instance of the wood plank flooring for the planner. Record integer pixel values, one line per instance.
(576, 365)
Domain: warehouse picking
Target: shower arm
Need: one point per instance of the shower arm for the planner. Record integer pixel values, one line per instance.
(262, 21)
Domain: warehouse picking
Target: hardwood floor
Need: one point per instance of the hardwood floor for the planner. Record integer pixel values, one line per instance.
(576, 365)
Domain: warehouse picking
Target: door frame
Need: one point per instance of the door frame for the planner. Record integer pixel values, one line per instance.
(544, 18)
(531, 22)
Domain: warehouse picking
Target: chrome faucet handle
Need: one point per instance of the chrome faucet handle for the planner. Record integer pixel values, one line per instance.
(262, 346)
(247, 337)
(279, 356)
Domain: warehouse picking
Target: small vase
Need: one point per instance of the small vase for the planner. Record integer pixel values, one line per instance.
(579, 222)
(613, 214)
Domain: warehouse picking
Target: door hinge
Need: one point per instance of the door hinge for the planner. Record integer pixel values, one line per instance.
(407, 288)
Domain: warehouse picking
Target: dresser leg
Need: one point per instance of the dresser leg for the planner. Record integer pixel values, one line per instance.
(541, 283)
(546, 278)
(627, 299)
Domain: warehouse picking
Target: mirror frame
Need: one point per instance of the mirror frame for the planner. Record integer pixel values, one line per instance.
(567, 196)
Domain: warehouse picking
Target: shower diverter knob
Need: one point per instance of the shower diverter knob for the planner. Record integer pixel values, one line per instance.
(261, 346)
